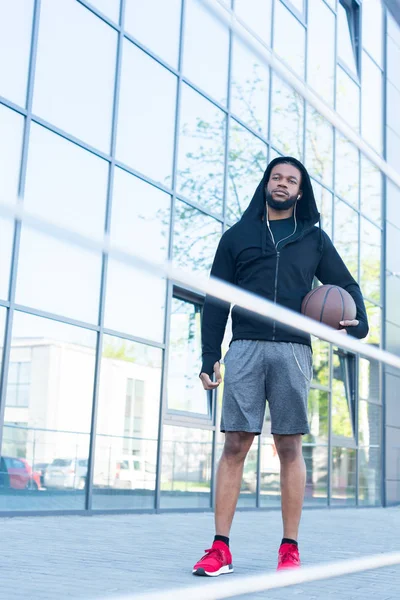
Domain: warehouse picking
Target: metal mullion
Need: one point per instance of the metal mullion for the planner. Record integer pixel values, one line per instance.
(132, 338)
(17, 227)
(151, 54)
(330, 452)
(169, 288)
(13, 106)
(97, 374)
(54, 317)
(199, 207)
(100, 14)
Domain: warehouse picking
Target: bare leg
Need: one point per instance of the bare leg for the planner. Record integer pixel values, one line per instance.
(229, 478)
(293, 480)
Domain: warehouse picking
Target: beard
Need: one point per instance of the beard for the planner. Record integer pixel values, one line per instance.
(280, 204)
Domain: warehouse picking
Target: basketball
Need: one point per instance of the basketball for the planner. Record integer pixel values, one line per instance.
(329, 304)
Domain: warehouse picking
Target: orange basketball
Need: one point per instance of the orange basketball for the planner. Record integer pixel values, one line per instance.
(329, 304)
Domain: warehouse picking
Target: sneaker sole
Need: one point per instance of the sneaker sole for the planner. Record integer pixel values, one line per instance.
(222, 571)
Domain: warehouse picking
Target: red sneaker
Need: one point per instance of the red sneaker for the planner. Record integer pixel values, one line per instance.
(288, 557)
(216, 561)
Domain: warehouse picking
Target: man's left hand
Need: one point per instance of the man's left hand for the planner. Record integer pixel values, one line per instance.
(352, 323)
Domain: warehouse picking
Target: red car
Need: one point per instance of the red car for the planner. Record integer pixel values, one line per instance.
(19, 474)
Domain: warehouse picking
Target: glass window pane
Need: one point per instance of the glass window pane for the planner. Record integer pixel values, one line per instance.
(247, 496)
(249, 87)
(347, 170)
(49, 430)
(270, 468)
(247, 162)
(320, 362)
(205, 51)
(74, 82)
(196, 238)
(319, 146)
(289, 38)
(372, 103)
(372, 28)
(392, 104)
(316, 460)
(371, 191)
(369, 423)
(321, 50)
(369, 477)
(370, 260)
(185, 391)
(65, 184)
(186, 468)
(374, 314)
(393, 202)
(346, 236)
(109, 7)
(15, 47)
(58, 277)
(324, 204)
(11, 132)
(140, 217)
(342, 397)
(287, 119)
(200, 174)
(345, 42)
(369, 380)
(318, 417)
(146, 116)
(2, 331)
(343, 476)
(127, 425)
(140, 22)
(348, 99)
(257, 15)
(6, 246)
(393, 61)
(135, 302)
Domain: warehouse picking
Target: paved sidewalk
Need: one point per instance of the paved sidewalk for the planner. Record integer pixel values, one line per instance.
(88, 557)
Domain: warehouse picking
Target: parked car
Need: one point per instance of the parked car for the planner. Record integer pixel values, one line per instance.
(134, 473)
(66, 473)
(41, 469)
(17, 474)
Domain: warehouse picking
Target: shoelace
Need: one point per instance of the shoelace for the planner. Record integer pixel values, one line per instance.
(216, 551)
(289, 554)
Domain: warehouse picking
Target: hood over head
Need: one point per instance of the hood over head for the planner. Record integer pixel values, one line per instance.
(306, 207)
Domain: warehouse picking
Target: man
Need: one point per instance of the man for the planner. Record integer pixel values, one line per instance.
(275, 250)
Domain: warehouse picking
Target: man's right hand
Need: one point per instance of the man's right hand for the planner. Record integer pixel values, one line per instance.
(206, 381)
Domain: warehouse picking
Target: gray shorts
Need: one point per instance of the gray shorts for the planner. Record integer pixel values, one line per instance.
(256, 371)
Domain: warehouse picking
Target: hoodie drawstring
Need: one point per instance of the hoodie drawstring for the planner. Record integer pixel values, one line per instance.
(321, 239)
(264, 231)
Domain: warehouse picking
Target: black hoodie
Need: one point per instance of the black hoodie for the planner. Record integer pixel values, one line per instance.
(247, 257)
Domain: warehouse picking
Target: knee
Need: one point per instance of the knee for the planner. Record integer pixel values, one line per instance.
(289, 449)
(237, 445)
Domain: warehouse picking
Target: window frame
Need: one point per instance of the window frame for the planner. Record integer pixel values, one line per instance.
(353, 12)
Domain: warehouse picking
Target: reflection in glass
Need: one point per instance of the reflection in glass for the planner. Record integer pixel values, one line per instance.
(186, 468)
(346, 235)
(257, 14)
(196, 238)
(318, 416)
(140, 22)
(47, 415)
(6, 246)
(372, 103)
(247, 161)
(140, 217)
(74, 82)
(58, 277)
(369, 477)
(65, 184)
(2, 331)
(146, 114)
(287, 119)
(370, 260)
(348, 99)
(323, 199)
(11, 131)
(109, 7)
(369, 423)
(15, 46)
(372, 28)
(249, 87)
(374, 314)
(347, 170)
(320, 361)
(345, 47)
(343, 476)
(369, 380)
(270, 469)
(316, 460)
(184, 389)
(321, 50)
(247, 496)
(371, 191)
(343, 394)
(124, 472)
(200, 175)
(289, 38)
(319, 146)
(135, 302)
(206, 48)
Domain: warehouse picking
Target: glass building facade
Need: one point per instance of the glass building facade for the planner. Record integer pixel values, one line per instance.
(156, 131)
